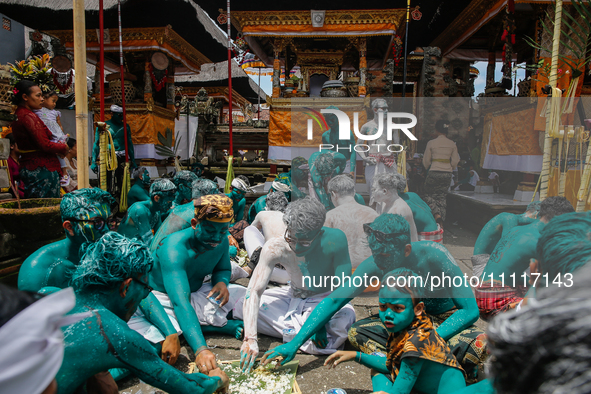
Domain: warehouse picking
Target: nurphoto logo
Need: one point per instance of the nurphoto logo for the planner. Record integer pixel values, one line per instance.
(345, 131)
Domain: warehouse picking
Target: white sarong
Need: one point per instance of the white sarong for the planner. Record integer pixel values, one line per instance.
(280, 310)
(207, 312)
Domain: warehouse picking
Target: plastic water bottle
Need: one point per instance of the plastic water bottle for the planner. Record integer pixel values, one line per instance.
(288, 334)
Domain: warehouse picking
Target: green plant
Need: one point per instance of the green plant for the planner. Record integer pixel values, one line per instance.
(35, 69)
(574, 35)
(165, 147)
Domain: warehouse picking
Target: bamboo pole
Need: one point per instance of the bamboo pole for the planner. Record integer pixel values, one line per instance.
(81, 92)
(583, 193)
(547, 158)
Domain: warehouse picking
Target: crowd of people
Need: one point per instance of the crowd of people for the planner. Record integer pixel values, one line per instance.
(114, 297)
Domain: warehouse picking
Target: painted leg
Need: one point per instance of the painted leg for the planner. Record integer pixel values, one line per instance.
(233, 328)
(482, 387)
(381, 382)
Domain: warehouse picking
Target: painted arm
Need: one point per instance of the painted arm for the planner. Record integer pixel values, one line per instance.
(353, 154)
(155, 314)
(462, 296)
(130, 150)
(177, 287)
(370, 361)
(270, 255)
(413, 227)
(240, 210)
(410, 368)
(323, 312)
(137, 355)
(223, 269)
(95, 150)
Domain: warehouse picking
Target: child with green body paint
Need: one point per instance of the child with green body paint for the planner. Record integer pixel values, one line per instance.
(418, 358)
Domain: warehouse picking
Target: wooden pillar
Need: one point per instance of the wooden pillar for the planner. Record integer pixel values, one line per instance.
(81, 92)
(362, 67)
(490, 69)
(276, 72)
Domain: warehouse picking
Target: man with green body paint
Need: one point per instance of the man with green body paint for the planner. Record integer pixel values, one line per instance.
(182, 260)
(141, 188)
(418, 359)
(512, 256)
(260, 204)
(331, 137)
(389, 241)
(495, 229)
(115, 128)
(180, 219)
(144, 218)
(183, 180)
(309, 252)
(110, 283)
(180, 216)
(237, 193)
(427, 227)
(86, 216)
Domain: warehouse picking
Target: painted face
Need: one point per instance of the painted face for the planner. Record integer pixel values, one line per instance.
(238, 194)
(185, 193)
(138, 290)
(303, 243)
(93, 225)
(166, 200)
(34, 99)
(396, 310)
(146, 177)
(386, 256)
(211, 234)
(381, 109)
(378, 193)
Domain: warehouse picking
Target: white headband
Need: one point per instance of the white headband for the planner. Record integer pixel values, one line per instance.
(116, 108)
(239, 184)
(32, 343)
(280, 187)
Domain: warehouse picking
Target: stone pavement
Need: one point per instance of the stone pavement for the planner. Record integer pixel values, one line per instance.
(313, 377)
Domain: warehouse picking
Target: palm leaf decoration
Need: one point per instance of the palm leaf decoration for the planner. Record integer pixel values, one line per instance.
(574, 35)
(165, 147)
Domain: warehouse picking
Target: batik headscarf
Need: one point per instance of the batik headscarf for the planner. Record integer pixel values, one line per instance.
(214, 207)
(419, 340)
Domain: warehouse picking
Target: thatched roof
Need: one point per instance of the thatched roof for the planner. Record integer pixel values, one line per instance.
(185, 16)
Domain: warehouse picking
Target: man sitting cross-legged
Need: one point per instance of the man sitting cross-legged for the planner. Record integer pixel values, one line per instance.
(427, 228)
(385, 193)
(309, 253)
(495, 229)
(418, 359)
(266, 225)
(110, 282)
(511, 258)
(86, 216)
(453, 309)
(349, 217)
(180, 219)
(144, 218)
(182, 260)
